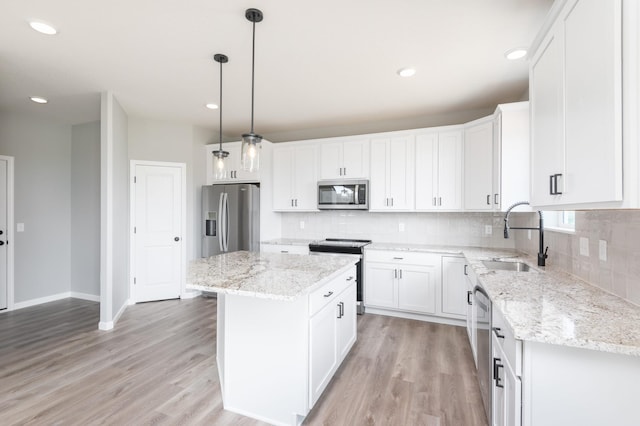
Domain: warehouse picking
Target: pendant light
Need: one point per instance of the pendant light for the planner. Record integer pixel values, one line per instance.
(219, 169)
(251, 141)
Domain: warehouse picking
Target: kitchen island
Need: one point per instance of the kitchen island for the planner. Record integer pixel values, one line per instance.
(284, 325)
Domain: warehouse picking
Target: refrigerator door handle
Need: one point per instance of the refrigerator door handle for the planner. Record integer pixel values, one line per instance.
(226, 222)
(220, 222)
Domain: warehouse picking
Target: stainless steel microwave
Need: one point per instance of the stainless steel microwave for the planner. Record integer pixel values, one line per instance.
(343, 195)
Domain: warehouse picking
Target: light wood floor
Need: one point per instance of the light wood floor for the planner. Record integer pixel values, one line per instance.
(158, 367)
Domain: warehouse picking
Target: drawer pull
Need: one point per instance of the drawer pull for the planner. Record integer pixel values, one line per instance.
(496, 372)
(497, 330)
(328, 294)
(284, 251)
(469, 293)
(398, 258)
(350, 278)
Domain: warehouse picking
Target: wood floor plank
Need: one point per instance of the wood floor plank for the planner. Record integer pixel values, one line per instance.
(158, 368)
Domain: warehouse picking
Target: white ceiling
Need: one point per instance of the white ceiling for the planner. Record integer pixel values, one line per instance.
(327, 64)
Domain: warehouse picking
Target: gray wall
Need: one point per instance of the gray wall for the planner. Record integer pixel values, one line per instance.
(85, 209)
(154, 140)
(42, 151)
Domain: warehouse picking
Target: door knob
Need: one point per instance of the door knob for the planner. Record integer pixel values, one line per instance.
(1, 243)
(176, 239)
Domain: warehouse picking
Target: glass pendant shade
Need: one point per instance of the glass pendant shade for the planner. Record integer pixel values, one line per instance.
(251, 152)
(219, 169)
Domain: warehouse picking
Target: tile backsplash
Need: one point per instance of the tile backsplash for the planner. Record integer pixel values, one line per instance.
(459, 229)
(617, 272)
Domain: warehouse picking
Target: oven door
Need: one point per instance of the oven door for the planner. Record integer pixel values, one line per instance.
(482, 307)
(343, 195)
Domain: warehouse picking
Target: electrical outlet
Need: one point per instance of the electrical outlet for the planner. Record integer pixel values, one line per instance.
(401, 227)
(602, 250)
(584, 246)
(488, 230)
(302, 224)
(20, 227)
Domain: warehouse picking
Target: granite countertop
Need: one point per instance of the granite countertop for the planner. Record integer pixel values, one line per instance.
(266, 275)
(287, 242)
(423, 248)
(549, 306)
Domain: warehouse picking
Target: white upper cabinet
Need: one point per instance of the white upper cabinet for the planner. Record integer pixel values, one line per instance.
(233, 164)
(576, 106)
(438, 165)
(294, 177)
(347, 159)
(392, 176)
(478, 165)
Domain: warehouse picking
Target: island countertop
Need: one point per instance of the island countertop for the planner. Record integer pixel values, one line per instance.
(265, 275)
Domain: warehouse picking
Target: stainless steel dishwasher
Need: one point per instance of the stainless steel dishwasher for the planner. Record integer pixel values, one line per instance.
(482, 307)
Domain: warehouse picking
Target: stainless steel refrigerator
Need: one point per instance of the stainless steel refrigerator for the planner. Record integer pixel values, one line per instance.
(230, 218)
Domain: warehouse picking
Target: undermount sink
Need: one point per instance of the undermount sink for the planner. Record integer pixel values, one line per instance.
(506, 266)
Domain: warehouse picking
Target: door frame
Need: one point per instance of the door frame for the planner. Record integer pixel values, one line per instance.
(10, 231)
(132, 215)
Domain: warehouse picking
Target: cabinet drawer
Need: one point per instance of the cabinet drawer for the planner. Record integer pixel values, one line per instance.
(328, 292)
(511, 347)
(402, 257)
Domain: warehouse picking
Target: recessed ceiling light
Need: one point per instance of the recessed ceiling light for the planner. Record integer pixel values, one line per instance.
(39, 99)
(43, 28)
(406, 72)
(212, 106)
(517, 53)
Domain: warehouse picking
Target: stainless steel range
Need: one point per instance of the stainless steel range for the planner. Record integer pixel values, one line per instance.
(344, 247)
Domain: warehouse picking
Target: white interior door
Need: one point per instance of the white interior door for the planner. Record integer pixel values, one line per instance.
(4, 252)
(158, 239)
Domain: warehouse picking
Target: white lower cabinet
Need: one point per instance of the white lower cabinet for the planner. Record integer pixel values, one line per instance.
(394, 280)
(332, 331)
(427, 284)
(506, 389)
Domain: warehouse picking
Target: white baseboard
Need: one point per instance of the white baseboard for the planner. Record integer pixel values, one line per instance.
(414, 316)
(108, 325)
(190, 294)
(84, 296)
(41, 300)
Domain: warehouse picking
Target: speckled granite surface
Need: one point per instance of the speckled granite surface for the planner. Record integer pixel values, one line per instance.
(267, 275)
(547, 305)
(287, 242)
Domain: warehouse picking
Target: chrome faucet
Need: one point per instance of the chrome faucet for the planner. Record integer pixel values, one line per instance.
(542, 253)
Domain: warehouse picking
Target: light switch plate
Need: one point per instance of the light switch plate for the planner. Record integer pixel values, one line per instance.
(584, 246)
(602, 250)
(401, 227)
(20, 227)
(488, 230)
(302, 224)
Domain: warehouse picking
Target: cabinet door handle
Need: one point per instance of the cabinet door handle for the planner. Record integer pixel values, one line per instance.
(434, 201)
(328, 294)
(292, 202)
(469, 293)
(488, 199)
(339, 310)
(555, 183)
(400, 273)
(496, 372)
(439, 201)
(466, 271)
(341, 305)
(391, 201)
(496, 199)
(551, 185)
(496, 331)
(395, 273)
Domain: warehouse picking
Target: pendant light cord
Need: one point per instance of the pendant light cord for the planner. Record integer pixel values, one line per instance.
(220, 126)
(253, 71)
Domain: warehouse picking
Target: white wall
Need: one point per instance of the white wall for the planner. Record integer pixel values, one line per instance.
(457, 229)
(42, 151)
(114, 208)
(85, 209)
